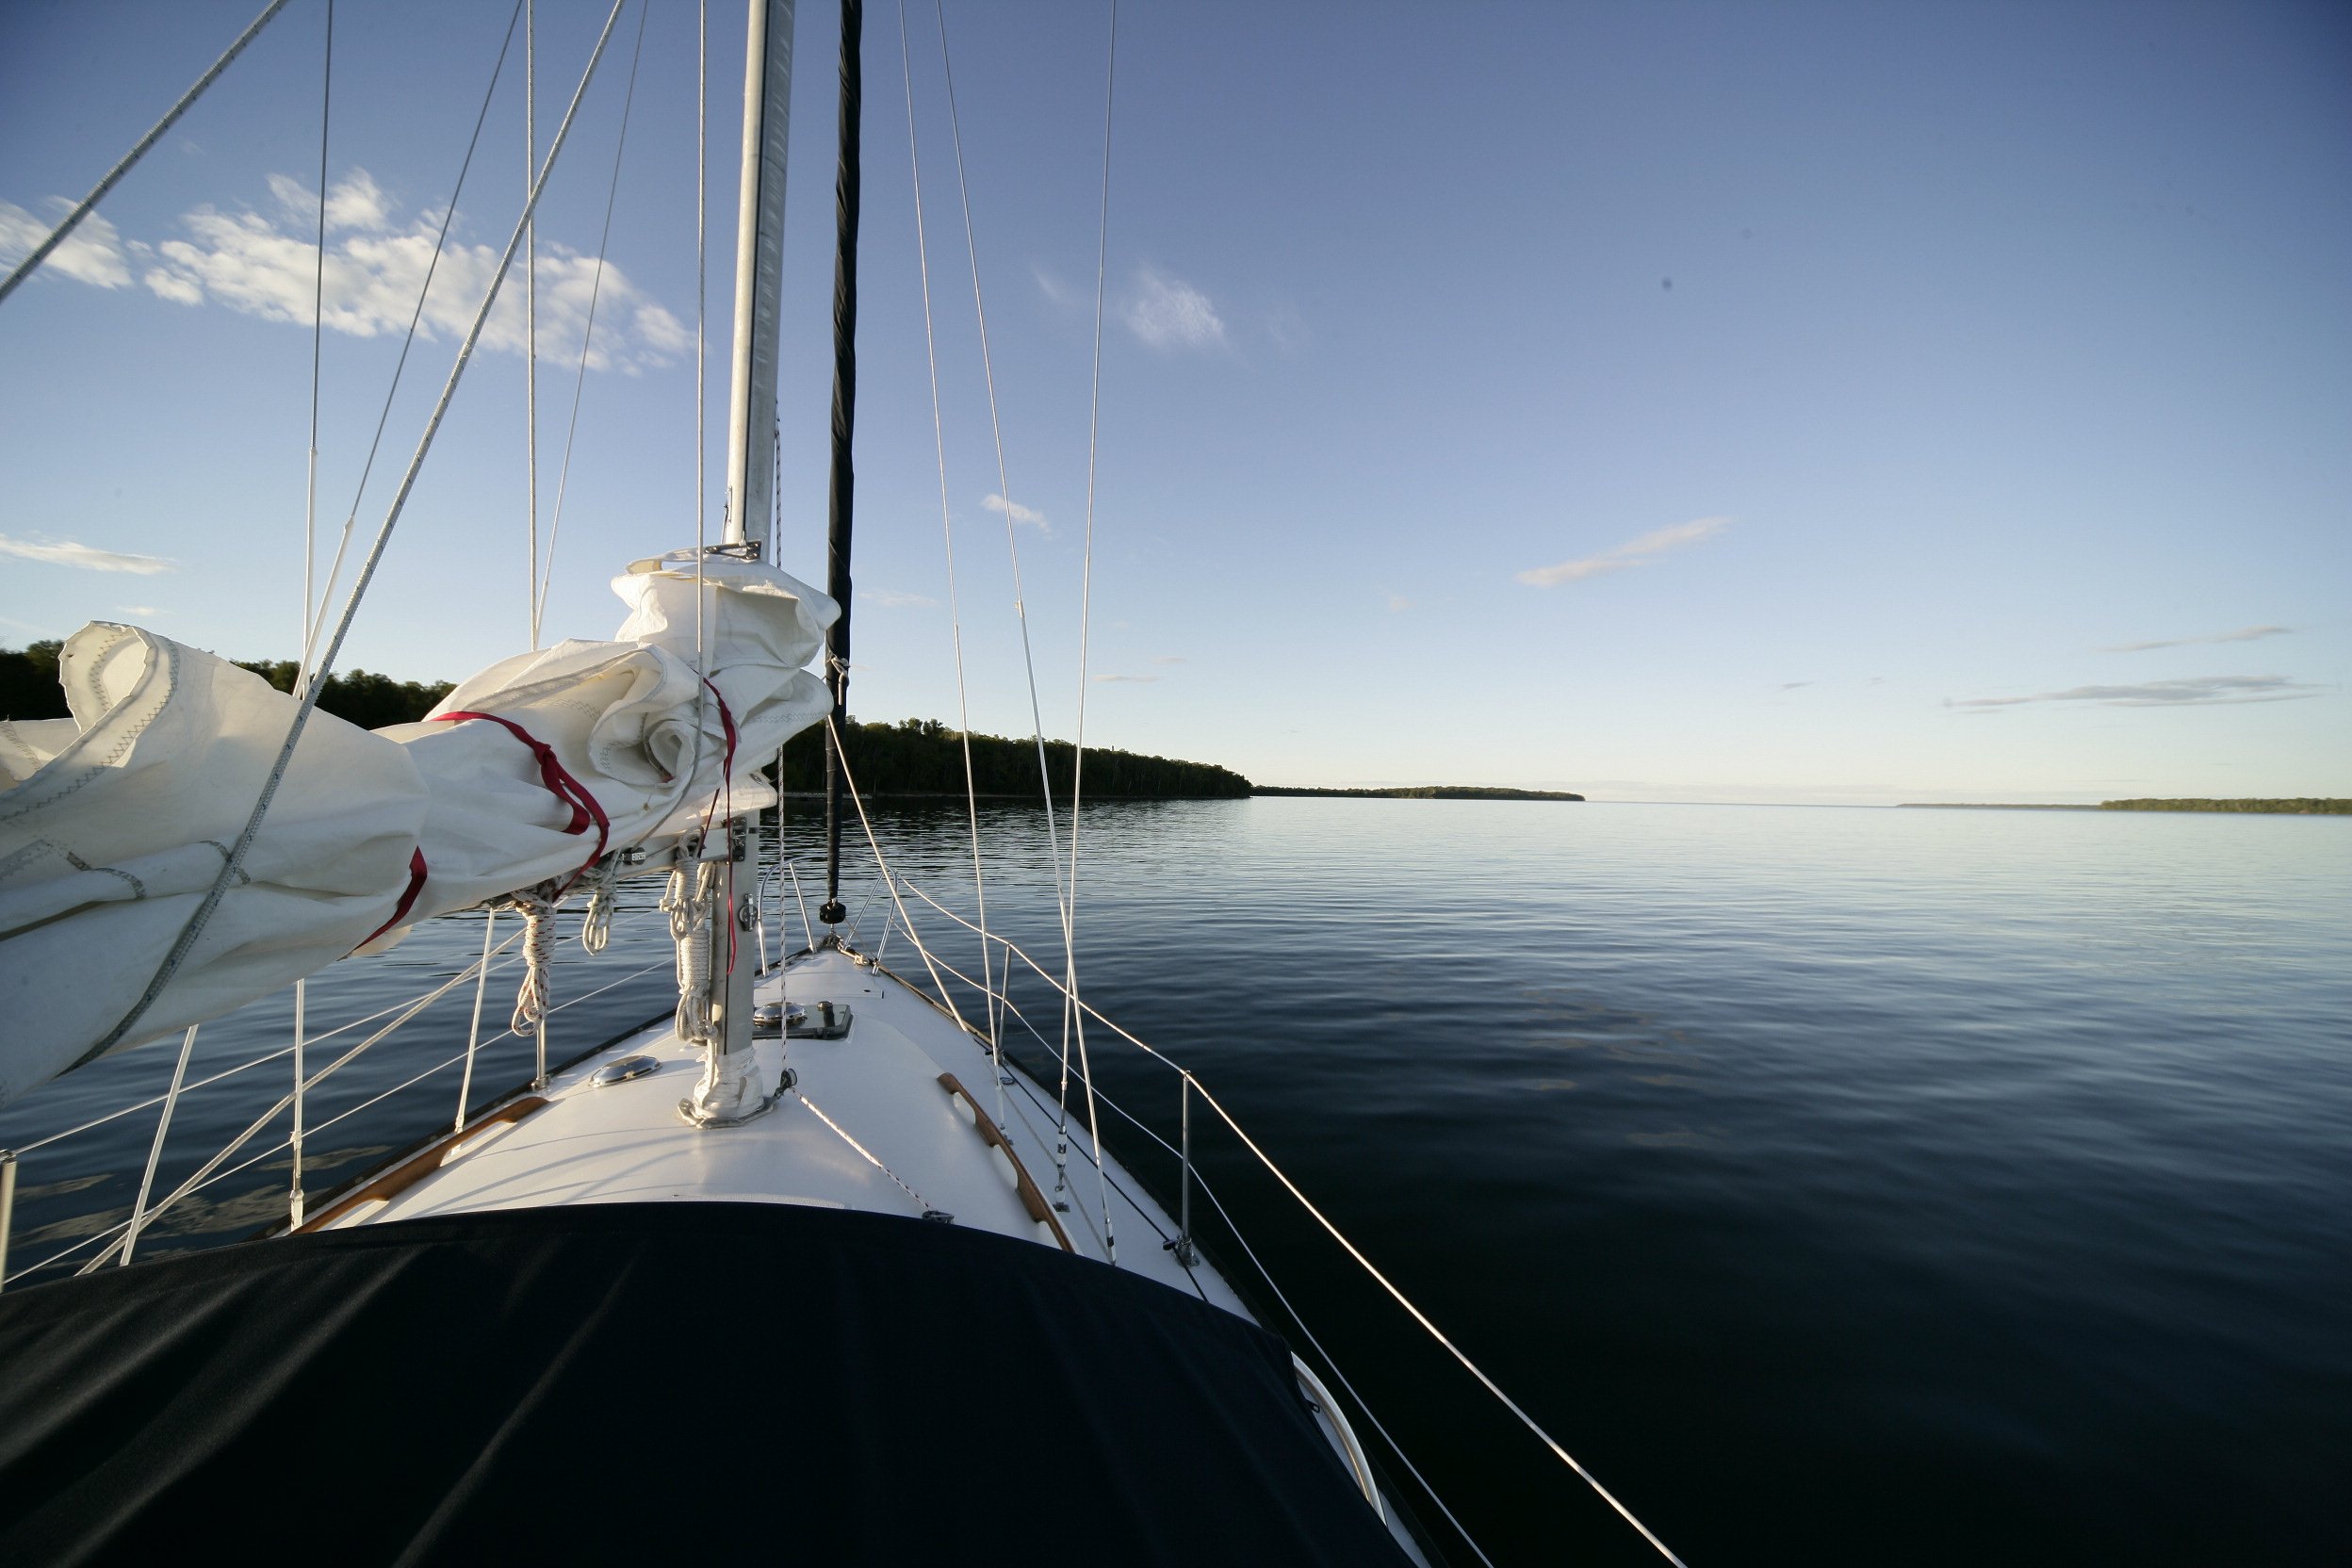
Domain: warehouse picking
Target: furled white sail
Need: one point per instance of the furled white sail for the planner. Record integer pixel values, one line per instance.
(115, 821)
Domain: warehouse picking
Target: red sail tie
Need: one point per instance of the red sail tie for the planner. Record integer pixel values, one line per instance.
(408, 897)
(561, 784)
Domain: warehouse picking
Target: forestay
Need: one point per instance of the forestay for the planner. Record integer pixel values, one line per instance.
(114, 822)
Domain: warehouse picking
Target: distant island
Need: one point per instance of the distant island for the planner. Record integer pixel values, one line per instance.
(1425, 792)
(924, 757)
(2304, 805)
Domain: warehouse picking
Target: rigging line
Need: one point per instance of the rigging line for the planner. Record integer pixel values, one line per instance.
(1209, 1192)
(317, 334)
(1012, 546)
(246, 1066)
(1086, 604)
(996, 431)
(262, 1122)
(155, 1151)
(890, 880)
(947, 531)
(920, 1201)
(1434, 1332)
(1363, 1406)
(531, 320)
(235, 862)
(702, 347)
(544, 574)
(432, 266)
(139, 150)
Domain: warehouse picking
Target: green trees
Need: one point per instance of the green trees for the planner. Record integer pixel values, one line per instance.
(913, 756)
(924, 757)
(28, 689)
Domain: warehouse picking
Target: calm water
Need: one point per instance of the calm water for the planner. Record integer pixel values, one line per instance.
(1840, 1186)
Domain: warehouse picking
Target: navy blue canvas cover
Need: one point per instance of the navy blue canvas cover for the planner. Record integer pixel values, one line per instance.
(720, 1382)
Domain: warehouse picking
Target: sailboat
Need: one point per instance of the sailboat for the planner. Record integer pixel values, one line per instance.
(811, 1270)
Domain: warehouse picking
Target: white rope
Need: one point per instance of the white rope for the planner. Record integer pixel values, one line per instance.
(844, 1132)
(602, 881)
(473, 1030)
(317, 334)
(954, 605)
(544, 572)
(294, 1196)
(1320, 1219)
(139, 150)
(1004, 485)
(1434, 1332)
(384, 415)
(154, 1151)
(262, 1060)
(1071, 1015)
(689, 901)
(533, 998)
(233, 864)
(530, 318)
(849, 784)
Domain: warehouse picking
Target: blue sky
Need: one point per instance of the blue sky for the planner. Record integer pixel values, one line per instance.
(1677, 401)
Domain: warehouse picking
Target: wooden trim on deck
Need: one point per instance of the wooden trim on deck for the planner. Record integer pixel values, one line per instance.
(1031, 1198)
(406, 1174)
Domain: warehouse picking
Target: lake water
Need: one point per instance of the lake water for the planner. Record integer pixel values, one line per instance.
(1839, 1185)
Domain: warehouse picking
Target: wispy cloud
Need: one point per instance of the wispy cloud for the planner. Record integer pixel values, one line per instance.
(92, 253)
(1170, 658)
(1016, 512)
(1169, 313)
(137, 610)
(891, 598)
(1133, 680)
(263, 264)
(1058, 294)
(1793, 685)
(1633, 552)
(2197, 692)
(66, 552)
(2244, 634)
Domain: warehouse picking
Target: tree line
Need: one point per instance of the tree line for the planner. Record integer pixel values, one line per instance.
(924, 757)
(913, 756)
(29, 689)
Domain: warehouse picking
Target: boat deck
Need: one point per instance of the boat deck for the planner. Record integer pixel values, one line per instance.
(869, 1125)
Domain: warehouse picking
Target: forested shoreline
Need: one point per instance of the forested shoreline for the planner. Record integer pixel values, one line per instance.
(29, 689)
(924, 757)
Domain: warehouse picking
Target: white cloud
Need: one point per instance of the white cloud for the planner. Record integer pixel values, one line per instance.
(1016, 512)
(1633, 552)
(92, 253)
(2198, 692)
(891, 598)
(65, 552)
(137, 610)
(376, 260)
(1136, 680)
(1169, 313)
(1050, 284)
(1170, 658)
(2244, 634)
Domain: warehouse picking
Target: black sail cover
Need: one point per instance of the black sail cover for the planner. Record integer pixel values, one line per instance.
(720, 1382)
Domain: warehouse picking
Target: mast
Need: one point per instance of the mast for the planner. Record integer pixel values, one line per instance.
(841, 487)
(729, 1091)
(758, 269)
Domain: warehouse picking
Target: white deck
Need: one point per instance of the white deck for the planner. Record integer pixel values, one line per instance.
(878, 1087)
